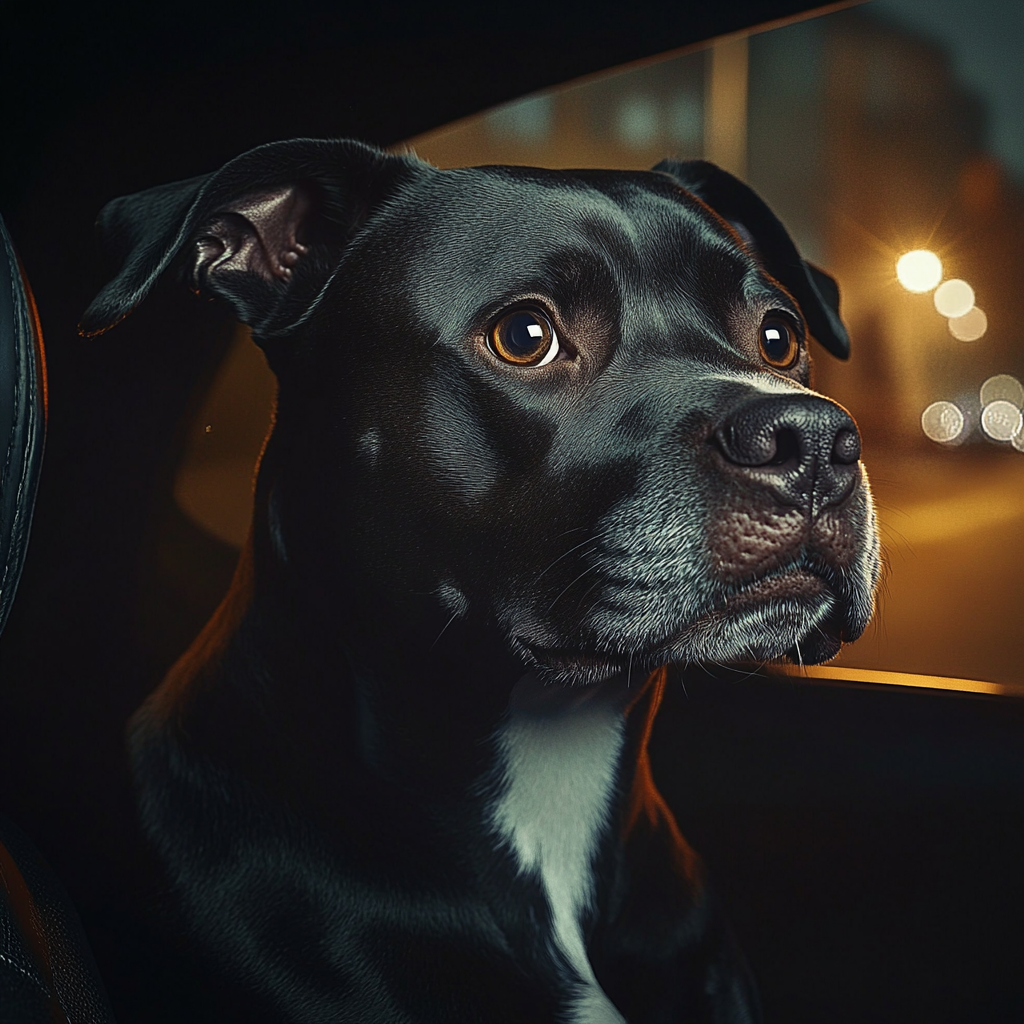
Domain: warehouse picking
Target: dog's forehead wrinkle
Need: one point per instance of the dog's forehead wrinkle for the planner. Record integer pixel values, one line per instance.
(520, 217)
(674, 322)
(463, 282)
(485, 204)
(583, 250)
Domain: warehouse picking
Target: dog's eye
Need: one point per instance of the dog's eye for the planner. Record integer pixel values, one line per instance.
(778, 343)
(524, 337)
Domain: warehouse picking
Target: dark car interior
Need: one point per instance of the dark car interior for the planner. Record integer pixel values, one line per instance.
(863, 821)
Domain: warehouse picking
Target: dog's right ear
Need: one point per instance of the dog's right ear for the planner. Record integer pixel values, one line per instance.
(265, 232)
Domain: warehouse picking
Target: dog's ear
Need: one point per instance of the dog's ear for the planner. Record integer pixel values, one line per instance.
(815, 291)
(265, 232)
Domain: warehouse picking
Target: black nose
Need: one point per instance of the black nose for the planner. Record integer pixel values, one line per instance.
(803, 447)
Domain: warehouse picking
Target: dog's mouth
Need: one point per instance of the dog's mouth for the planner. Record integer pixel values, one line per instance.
(794, 588)
(790, 583)
(791, 614)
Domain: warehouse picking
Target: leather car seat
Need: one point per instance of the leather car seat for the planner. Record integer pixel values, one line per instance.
(47, 972)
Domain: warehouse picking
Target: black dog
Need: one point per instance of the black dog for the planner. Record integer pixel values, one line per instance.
(538, 433)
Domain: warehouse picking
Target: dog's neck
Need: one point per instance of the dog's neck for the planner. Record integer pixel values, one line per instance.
(560, 754)
(559, 780)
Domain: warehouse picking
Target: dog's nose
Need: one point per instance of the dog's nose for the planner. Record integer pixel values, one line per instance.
(803, 447)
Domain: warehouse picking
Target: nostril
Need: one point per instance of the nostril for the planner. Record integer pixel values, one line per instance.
(846, 448)
(787, 448)
(760, 444)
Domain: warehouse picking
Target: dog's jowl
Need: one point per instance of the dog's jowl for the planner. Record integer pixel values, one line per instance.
(538, 434)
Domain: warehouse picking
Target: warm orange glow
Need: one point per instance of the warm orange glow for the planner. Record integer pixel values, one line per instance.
(646, 804)
(878, 678)
(980, 184)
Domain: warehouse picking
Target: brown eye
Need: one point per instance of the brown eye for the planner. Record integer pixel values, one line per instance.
(524, 338)
(778, 343)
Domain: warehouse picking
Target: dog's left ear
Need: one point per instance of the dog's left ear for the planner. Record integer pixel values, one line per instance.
(815, 291)
(265, 232)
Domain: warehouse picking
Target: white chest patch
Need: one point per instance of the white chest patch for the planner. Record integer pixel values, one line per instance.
(560, 756)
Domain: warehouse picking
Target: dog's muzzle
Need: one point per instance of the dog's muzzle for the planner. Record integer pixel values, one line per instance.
(796, 524)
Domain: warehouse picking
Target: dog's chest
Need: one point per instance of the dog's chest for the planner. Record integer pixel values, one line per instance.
(559, 756)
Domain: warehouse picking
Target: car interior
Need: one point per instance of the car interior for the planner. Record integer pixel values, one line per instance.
(862, 820)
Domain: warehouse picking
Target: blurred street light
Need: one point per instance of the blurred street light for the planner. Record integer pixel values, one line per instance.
(1002, 387)
(919, 271)
(1001, 420)
(969, 327)
(954, 298)
(942, 422)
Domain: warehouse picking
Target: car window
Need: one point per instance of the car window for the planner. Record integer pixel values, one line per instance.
(865, 136)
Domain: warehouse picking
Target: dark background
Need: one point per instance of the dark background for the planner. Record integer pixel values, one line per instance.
(866, 842)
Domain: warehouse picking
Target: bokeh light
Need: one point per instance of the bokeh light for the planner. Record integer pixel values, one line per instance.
(1003, 388)
(942, 421)
(1001, 420)
(954, 297)
(919, 271)
(969, 327)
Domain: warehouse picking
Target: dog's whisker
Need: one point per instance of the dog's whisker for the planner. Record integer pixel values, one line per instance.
(586, 593)
(565, 590)
(572, 529)
(443, 628)
(749, 674)
(564, 554)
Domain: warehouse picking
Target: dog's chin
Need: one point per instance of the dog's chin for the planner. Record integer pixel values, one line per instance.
(565, 667)
(791, 615)
(788, 616)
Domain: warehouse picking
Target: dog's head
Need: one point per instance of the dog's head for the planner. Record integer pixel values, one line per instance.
(573, 405)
